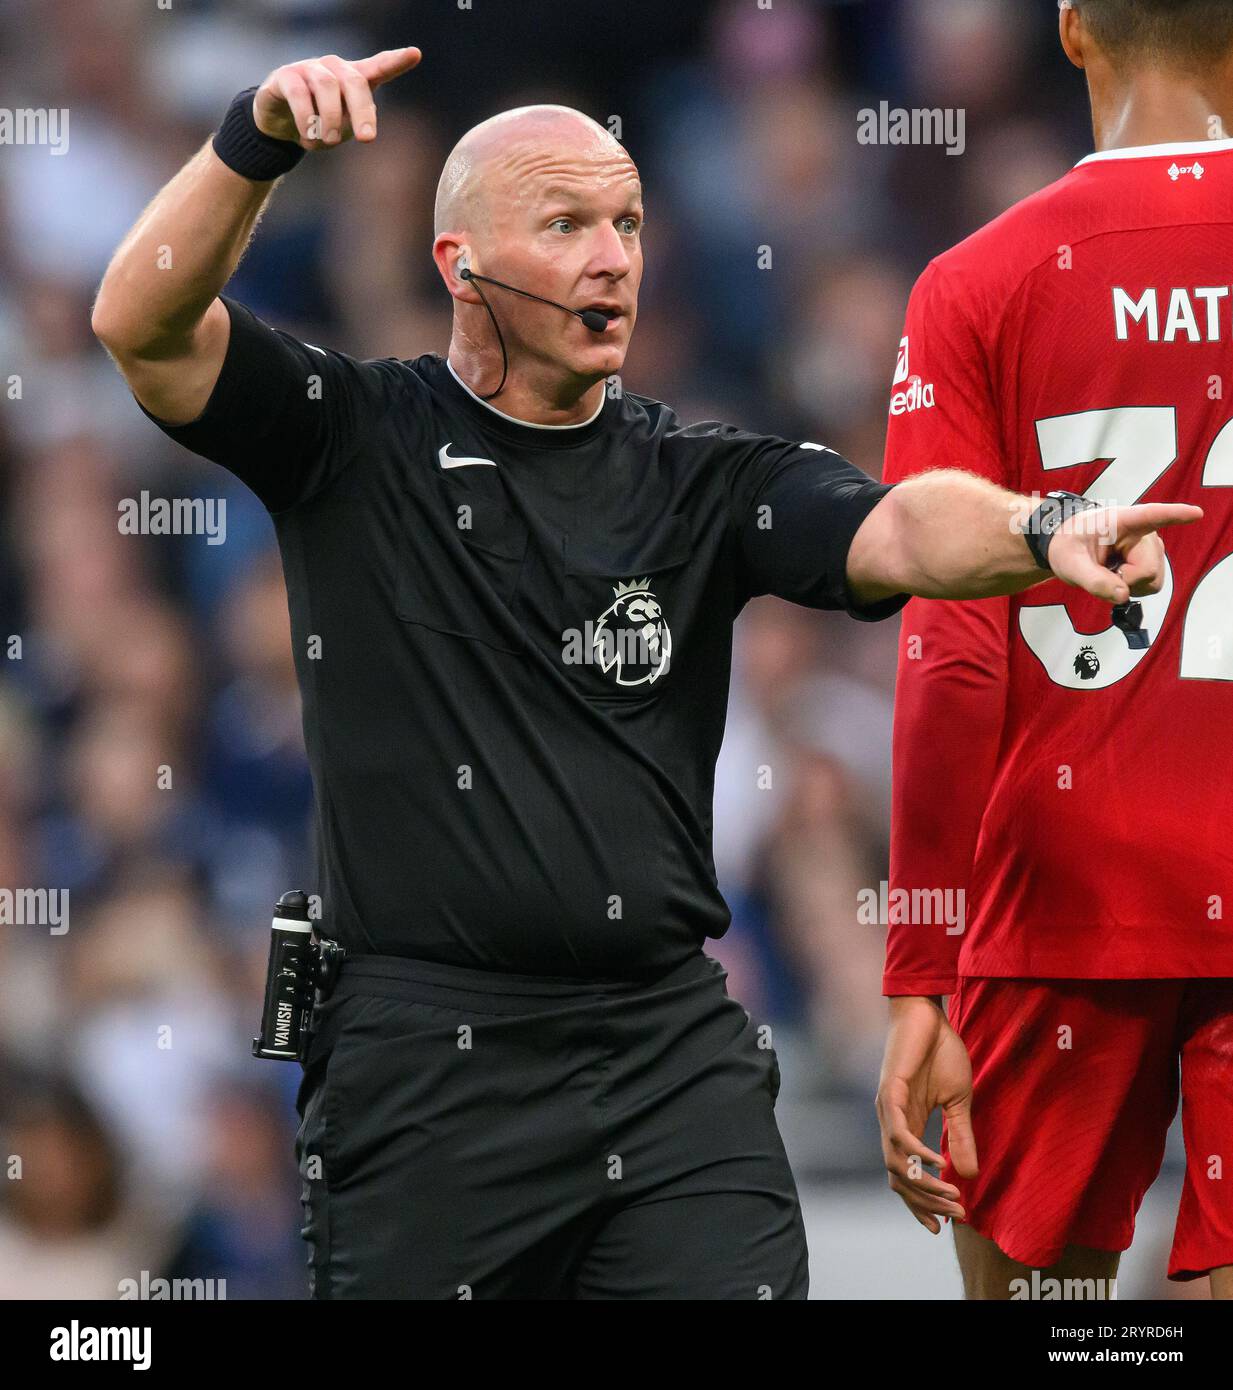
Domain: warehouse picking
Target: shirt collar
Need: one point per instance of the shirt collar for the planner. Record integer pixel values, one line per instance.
(562, 433)
(1182, 148)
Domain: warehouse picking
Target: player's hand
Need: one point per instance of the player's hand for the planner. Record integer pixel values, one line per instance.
(1114, 552)
(320, 102)
(925, 1065)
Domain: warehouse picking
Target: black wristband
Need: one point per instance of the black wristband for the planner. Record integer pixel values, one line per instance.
(1044, 522)
(249, 151)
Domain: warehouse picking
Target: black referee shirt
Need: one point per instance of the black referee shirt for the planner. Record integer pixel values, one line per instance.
(513, 644)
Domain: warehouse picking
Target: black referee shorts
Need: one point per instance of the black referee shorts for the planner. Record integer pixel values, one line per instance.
(467, 1135)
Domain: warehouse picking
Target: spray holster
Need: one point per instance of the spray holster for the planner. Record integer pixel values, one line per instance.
(302, 971)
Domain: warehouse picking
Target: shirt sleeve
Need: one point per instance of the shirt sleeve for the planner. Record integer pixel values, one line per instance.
(951, 688)
(796, 508)
(285, 417)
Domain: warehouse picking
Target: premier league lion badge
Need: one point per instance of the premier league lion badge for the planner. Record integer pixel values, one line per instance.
(632, 637)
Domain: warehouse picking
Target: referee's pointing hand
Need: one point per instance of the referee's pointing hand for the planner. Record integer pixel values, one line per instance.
(1114, 552)
(320, 102)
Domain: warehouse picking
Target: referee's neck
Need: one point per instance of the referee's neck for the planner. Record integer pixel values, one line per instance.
(529, 398)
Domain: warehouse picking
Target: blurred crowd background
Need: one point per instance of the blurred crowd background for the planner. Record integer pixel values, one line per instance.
(150, 1139)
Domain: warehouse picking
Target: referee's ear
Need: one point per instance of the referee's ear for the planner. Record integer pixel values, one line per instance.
(451, 257)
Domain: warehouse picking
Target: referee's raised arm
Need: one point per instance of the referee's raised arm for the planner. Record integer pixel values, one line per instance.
(157, 310)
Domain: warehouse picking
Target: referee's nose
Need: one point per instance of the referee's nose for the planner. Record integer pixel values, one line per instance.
(611, 256)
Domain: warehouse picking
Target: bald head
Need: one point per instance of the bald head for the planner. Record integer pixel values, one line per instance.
(506, 158)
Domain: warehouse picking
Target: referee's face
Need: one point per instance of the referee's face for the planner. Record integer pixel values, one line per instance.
(566, 223)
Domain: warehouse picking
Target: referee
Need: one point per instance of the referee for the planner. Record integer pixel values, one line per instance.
(512, 591)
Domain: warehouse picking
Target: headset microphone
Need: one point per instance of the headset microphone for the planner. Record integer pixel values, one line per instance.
(593, 319)
(596, 321)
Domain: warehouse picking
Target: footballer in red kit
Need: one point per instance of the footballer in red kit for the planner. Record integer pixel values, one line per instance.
(1063, 775)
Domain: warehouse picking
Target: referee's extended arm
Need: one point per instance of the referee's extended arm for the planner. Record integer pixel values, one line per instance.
(158, 311)
(951, 534)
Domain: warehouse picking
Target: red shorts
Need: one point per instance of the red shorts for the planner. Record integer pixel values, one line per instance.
(1075, 1083)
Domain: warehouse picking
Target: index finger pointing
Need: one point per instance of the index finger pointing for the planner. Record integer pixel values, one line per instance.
(1155, 516)
(385, 66)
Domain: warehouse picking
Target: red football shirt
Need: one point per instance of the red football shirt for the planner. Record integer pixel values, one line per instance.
(1077, 792)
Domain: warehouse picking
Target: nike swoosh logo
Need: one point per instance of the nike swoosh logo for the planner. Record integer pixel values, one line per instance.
(447, 462)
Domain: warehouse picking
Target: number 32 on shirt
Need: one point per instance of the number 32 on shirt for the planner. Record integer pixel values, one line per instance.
(1141, 442)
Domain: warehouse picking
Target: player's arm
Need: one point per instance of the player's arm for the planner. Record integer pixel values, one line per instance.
(950, 702)
(950, 699)
(157, 310)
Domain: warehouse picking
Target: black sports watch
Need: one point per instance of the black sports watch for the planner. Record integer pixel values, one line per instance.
(1043, 524)
(1039, 531)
